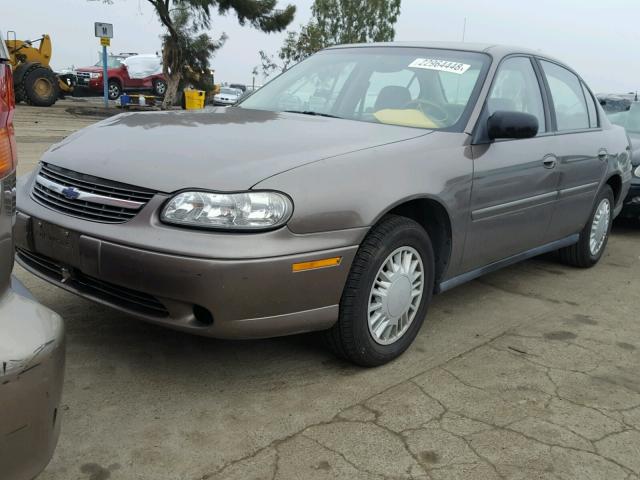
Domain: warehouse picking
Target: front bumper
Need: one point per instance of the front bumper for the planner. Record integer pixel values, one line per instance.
(222, 285)
(32, 351)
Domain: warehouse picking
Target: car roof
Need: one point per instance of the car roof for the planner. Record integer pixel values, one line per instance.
(495, 50)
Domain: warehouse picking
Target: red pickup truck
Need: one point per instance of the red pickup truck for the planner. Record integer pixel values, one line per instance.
(90, 78)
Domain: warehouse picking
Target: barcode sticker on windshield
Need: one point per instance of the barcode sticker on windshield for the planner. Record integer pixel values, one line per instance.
(440, 65)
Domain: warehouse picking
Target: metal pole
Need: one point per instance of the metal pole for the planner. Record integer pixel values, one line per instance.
(105, 77)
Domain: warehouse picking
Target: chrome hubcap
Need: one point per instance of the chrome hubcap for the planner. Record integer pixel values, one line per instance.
(161, 87)
(395, 295)
(114, 90)
(600, 226)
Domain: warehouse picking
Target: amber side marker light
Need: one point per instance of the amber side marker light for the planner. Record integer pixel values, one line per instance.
(325, 262)
(6, 157)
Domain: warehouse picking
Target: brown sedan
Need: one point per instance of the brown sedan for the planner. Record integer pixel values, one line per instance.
(338, 197)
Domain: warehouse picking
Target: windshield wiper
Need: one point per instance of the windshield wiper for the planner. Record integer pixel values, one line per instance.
(312, 113)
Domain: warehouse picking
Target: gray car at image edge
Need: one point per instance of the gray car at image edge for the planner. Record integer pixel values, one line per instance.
(339, 197)
(31, 336)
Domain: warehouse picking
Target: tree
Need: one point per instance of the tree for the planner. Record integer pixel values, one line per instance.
(335, 22)
(193, 50)
(186, 48)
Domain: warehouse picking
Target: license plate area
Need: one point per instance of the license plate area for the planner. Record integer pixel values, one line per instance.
(56, 242)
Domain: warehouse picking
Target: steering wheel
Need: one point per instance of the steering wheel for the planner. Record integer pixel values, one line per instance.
(431, 110)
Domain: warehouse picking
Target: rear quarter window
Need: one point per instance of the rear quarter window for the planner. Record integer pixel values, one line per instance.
(591, 107)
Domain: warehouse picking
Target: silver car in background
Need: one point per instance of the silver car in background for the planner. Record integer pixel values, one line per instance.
(31, 336)
(227, 96)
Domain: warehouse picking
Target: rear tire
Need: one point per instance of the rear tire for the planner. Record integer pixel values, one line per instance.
(595, 234)
(359, 334)
(39, 87)
(159, 87)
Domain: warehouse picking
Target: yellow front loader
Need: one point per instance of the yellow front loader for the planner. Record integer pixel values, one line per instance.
(34, 81)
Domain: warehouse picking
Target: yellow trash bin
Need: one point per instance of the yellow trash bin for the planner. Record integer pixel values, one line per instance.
(194, 99)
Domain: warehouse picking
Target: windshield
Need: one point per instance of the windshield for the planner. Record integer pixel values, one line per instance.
(629, 119)
(415, 87)
(112, 62)
(230, 91)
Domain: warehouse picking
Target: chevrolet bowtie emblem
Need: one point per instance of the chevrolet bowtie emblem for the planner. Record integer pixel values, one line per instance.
(71, 193)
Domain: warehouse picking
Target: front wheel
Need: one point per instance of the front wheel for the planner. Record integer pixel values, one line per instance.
(595, 234)
(40, 87)
(385, 299)
(113, 90)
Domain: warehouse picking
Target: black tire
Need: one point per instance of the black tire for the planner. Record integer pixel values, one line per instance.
(114, 90)
(39, 87)
(350, 337)
(18, 94)
(580, 254)
(159, 87)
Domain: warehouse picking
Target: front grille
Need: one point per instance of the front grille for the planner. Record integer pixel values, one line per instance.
(83, 78)
(96, 199)
(126, 298)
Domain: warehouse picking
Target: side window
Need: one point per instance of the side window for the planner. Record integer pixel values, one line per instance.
(591, 107)
(516, 89)
(568, 97)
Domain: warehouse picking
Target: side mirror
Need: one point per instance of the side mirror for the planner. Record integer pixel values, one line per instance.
(508, 124)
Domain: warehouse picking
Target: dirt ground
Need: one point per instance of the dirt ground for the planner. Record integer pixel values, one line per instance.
(532, 372)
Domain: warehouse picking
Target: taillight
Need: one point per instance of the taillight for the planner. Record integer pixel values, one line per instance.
(8, 158)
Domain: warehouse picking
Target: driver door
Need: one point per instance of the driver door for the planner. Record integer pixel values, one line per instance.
(515, 182)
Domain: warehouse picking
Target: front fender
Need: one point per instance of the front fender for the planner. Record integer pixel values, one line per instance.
(355, 190)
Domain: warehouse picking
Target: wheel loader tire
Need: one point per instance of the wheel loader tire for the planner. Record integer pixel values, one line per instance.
(40, 87)
(17, 93)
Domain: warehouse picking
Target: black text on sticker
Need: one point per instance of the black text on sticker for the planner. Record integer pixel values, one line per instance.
(440, 65)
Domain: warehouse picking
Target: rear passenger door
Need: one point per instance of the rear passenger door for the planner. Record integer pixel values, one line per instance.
(580, 146)
(515, 181)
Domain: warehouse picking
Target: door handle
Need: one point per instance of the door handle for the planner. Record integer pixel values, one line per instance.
(603, 155)
(550, 162)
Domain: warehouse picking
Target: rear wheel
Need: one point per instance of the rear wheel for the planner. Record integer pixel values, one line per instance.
(114, 90)
(594, 236)
(159, 87)
(39, 87)
(385, 299)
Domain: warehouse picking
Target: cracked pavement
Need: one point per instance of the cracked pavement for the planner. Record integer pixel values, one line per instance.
(528, 373)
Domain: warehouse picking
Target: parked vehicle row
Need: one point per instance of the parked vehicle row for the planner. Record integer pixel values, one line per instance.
(339, 197)
(629, 119)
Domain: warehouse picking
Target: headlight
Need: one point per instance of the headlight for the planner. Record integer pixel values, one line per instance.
(95, 75)
(233, 211)
(636, 172)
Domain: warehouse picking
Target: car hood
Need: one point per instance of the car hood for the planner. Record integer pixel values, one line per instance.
(89, 69)
(220, 149)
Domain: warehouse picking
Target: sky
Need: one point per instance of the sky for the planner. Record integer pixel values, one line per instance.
(599, 39)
